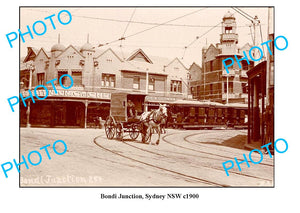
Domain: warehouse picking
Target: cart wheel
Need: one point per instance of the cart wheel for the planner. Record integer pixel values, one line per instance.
(134, 132)
(119, 131)
(110, 128)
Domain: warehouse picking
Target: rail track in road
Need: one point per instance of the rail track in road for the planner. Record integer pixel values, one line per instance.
(204, 152)
(209, 153)
(170, 157)
(197, 179)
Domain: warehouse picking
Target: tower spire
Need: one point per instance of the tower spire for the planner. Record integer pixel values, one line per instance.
(58, 38)
(88, 38)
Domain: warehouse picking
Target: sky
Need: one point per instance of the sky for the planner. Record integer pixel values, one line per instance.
(104, 25)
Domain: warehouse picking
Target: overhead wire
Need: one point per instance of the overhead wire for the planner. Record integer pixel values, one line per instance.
(121, 42)
(147, 23)
(147, 29)
(167, 23)
(253, 22)
(198, 37)
(241, 13)
(246, 14)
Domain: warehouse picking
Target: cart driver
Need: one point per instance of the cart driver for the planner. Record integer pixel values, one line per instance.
(131, 108)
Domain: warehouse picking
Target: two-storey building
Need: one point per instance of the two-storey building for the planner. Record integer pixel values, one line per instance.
(214, 84)
(96, 74)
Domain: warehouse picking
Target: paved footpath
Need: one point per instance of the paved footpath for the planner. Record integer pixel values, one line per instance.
(183, 158)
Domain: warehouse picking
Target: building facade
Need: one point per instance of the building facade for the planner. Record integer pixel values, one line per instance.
(261, 97)
(214, 84)
(196, 80)
(96, 74)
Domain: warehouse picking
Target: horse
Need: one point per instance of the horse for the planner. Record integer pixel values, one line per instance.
(152, 121)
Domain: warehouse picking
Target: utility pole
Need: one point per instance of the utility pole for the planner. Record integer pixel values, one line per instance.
(227, 92)
(147, 88)
(31, 69)
(255, 23)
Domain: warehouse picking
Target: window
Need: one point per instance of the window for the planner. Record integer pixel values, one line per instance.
(108, 80)
(77, 78)
(151, 84)
(230, 87)
(41, 78)
(244, 87)
(244, 65)
(176, 86)
(136, 82)
(64, 79)
(228, 29)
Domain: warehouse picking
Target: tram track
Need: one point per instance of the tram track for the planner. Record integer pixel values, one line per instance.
(237, 173)
(170, 157)
(210, 167)
(194, 178)
(204, 152)
(201, 145)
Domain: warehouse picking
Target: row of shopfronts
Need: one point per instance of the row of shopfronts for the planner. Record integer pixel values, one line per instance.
(73, 109)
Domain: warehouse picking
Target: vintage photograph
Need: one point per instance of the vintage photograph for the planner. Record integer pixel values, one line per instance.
(146, 96)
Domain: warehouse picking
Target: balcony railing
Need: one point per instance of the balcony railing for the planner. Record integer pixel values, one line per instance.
(234, 95)
(229, 36)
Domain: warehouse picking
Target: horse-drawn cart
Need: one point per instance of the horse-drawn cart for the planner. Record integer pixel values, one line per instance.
(125, 112)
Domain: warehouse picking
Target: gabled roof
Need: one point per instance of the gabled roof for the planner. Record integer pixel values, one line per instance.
(137, 52)
(212, 46)
(177, 59)
(195, 64)
(43, 51)
(212, 51)
(31, 52)
(109, 49)
(70, 46)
